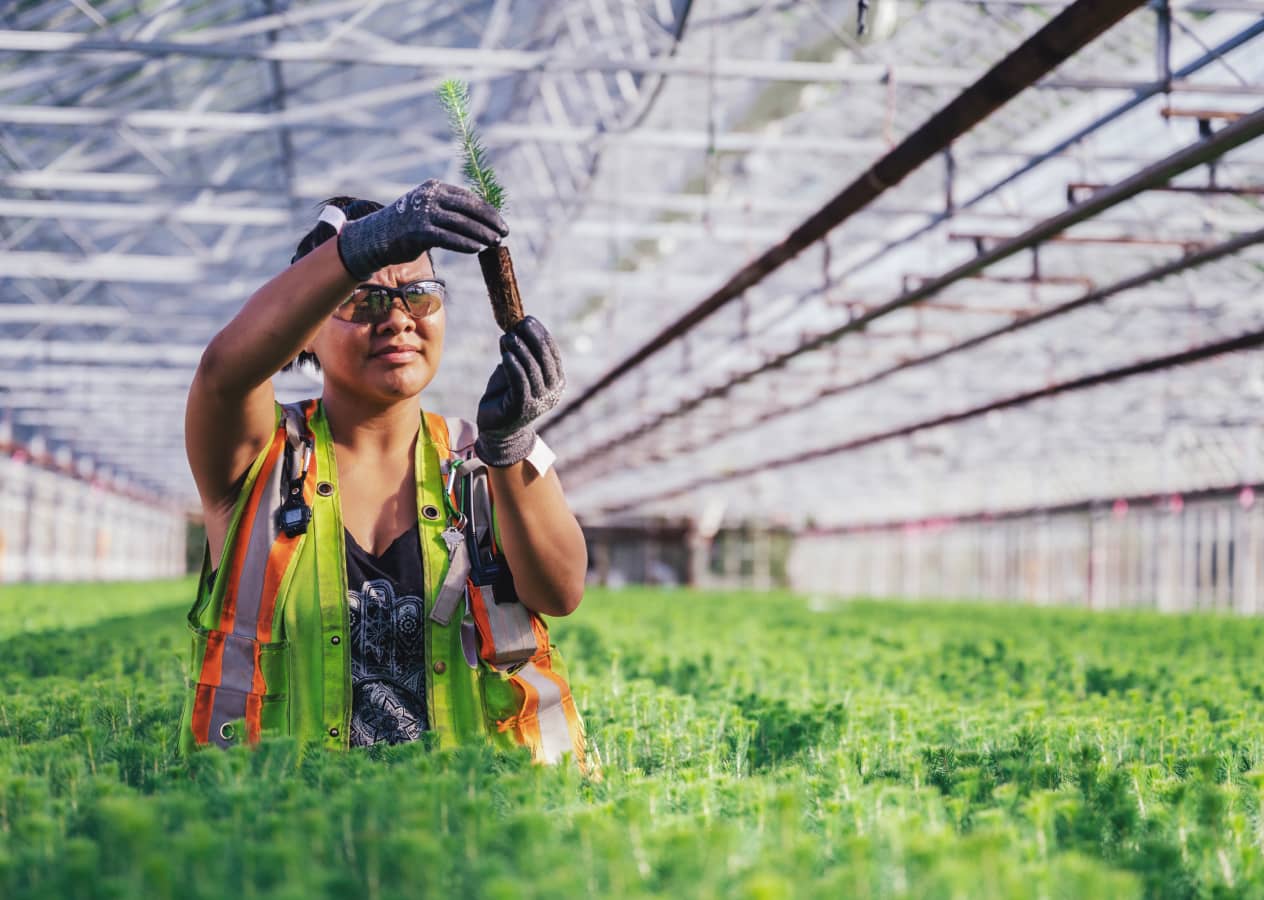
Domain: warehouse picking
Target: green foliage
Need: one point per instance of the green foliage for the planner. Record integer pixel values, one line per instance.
(754, 745)
(37, 607)
(478, 174)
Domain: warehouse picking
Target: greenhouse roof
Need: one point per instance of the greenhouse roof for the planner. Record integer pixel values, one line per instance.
(1058, 304)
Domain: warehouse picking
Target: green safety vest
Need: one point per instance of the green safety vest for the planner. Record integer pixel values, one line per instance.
(270, 649)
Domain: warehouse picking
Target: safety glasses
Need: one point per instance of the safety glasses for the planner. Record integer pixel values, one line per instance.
(371, 304)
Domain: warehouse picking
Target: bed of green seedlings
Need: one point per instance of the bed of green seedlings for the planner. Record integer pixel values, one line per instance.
(754, 745)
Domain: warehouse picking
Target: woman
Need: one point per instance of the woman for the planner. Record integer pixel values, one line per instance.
(356, 587)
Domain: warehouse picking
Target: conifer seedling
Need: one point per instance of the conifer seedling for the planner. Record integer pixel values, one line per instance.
(495, 261)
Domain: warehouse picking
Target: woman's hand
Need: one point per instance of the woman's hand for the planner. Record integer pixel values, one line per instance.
(543, 543)
(528, 383)
(433, 214)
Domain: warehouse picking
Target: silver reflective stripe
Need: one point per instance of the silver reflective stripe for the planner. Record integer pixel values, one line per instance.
(511, 629)
(555, 736)
(237, 671)
(452, 591)
(238, 667)
(229, 706)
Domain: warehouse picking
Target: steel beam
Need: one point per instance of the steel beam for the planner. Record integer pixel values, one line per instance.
(62, 314)
(69, 351)
(1193, 6)
(1248, 341)
(481, 62)
(1212, 56)
(299, 118)
(132, 267)
(1071, 30)
(1026, 319)
(139, 268)
(1247, 190)
(77, 377)
(188, 213)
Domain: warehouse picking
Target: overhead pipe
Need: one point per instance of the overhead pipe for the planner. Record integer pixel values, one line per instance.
(1148, 92)
(1158, 173)
(1061, 38)
(1185, 263)
(1210, 190)
(1248, 341)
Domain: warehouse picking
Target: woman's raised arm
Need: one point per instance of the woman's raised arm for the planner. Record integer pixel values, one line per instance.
(231, 414)
(231, 410)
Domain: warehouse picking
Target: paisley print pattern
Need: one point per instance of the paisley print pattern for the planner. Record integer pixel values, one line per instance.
(388, 642)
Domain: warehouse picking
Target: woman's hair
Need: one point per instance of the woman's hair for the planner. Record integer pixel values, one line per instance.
(353, 208)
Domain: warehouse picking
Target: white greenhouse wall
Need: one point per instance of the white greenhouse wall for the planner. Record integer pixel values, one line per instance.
(1203, 555)
(54, 527)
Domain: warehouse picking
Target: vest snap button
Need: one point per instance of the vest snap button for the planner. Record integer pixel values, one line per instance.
(333, 732)
(440, 667)
(324, 488)
(430, 512)
(335, 640)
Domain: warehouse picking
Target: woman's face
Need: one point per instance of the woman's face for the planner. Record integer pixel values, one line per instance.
(391, 361)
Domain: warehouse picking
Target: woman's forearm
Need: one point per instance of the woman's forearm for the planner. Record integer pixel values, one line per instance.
(541, 539)
(276, 322)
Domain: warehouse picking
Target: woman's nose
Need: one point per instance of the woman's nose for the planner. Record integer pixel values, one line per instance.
(398, 321)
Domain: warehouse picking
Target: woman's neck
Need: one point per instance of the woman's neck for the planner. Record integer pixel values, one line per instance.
(367, 429)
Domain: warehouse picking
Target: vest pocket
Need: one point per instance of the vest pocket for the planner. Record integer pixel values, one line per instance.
(240, 688)
(533, 703)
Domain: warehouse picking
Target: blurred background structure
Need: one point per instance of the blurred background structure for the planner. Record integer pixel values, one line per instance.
(965, 301)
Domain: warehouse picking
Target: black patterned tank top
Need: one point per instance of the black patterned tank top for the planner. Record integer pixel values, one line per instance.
(388, 641)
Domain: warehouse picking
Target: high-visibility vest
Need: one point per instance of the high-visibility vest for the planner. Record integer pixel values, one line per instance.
(270, 649)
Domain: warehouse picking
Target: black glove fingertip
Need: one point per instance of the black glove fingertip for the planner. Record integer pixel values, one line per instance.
(510, 342)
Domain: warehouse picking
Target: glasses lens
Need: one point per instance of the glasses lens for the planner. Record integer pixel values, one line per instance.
(423, 298)
(376, 306)
(372, 305)
(365, 306)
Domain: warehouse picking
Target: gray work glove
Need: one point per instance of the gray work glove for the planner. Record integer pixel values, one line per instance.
(433, 214)
(527, 384)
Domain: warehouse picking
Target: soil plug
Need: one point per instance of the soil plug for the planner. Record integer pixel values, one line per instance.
(495, 261)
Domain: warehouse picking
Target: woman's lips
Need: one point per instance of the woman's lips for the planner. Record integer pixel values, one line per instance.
(397, 354)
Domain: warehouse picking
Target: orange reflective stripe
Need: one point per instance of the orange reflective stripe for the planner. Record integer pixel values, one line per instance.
(212, 673)
(254, 708)
(203, 703)
(438, 428)
(228, 615)
(279, 559)
(487, 648)
(541, 633)
(574, 726)
(282, 552)
(212, 661)
(209, 707)
(280, 555)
